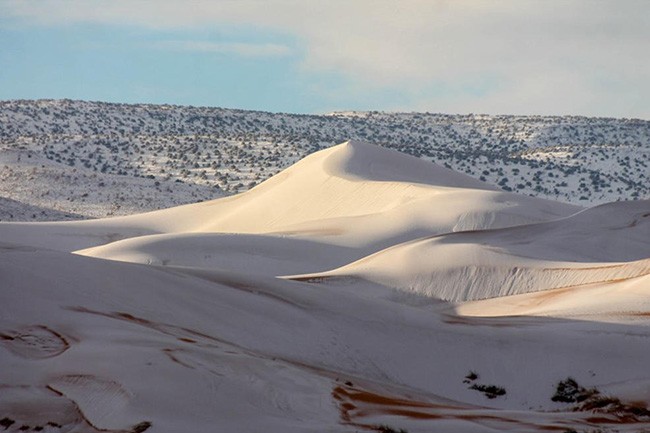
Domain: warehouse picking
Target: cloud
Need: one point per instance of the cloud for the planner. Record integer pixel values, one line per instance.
(237, 48)
(533, 56)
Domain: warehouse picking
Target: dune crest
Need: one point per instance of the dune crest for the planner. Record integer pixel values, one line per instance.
(347, 201)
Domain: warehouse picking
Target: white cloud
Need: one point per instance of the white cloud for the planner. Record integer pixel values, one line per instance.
(238, 48)
(574, 56)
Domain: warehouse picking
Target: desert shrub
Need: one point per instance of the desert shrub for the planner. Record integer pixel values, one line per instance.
(141, 427)
(490, 391)
(6, 422)
(568, 391)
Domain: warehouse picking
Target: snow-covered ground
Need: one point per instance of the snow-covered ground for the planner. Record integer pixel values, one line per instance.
(39, 190)
(97, 159)
(358, 290)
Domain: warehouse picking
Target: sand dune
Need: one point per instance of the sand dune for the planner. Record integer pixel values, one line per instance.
(332, 208)
(176, 320)
(626, 299)
(344, 192)
(263, 352)
(246, 253)
(510, 261)
(354, 194)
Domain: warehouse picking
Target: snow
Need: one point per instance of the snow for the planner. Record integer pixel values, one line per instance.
(602, 244)
(97, 160)
(357, 288)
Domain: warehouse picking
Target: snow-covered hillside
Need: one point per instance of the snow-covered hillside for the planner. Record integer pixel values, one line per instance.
(98, 159)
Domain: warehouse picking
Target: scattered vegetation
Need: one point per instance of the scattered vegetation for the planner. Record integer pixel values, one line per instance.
(6, 422)
(568, 391)
(591, 399)
(141, 427)
(387, 429)
(471, 376)
(205, 151)
(490, 391)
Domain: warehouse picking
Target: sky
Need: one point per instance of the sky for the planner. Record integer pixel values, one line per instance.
(549, 57)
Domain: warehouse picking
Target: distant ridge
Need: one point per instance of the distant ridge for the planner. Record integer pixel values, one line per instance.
(163, 156)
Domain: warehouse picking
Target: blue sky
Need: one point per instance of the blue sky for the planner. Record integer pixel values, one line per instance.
(585, 57)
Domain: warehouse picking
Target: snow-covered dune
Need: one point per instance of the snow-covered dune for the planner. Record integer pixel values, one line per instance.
(246, 253)
(606, 243)
(93, 345)
(354, 194)
(346, 189)
(627, 299)
(332, 208)
(176, 320)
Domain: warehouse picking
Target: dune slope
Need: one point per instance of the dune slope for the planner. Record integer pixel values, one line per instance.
(603, 244)
(97, 345)
(343, 203)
